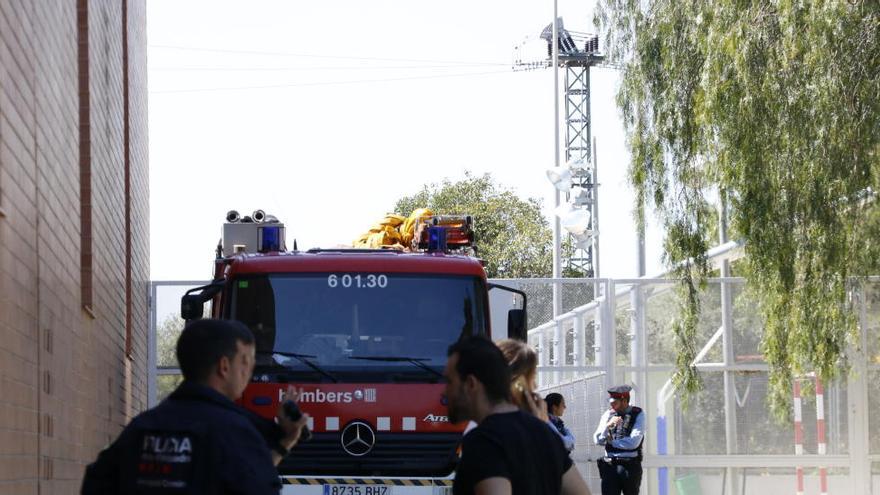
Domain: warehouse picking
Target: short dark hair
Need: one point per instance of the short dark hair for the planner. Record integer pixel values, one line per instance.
(553, 399)
(203, 342)
(480, 357)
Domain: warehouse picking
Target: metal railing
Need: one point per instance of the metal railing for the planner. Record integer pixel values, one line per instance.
(728, 442)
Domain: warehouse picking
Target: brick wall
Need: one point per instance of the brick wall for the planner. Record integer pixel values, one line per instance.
(66, 384)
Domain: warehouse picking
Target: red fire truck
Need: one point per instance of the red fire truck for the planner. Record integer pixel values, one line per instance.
(362, 334)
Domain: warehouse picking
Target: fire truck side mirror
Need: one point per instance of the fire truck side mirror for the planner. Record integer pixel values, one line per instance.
(192, 307)
(516, 324)
(192, 304)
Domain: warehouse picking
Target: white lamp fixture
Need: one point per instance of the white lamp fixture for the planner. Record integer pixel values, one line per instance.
(560, 177)
(575, 221)
(582, 241)
(563, 210)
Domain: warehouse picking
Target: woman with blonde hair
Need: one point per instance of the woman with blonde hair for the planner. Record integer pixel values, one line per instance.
(523, 364)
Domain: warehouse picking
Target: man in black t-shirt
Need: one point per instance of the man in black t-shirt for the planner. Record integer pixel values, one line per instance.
(510, 452)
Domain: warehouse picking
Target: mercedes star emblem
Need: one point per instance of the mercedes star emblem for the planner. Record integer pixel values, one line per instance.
(358, 438)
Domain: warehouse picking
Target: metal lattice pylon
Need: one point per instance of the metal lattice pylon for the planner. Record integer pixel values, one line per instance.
(576, 53)
(578, 147)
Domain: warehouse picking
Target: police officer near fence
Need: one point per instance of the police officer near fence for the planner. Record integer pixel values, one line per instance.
(621, 430)
(198, 441)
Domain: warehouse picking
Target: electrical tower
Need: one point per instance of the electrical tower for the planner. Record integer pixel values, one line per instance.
(577, 54)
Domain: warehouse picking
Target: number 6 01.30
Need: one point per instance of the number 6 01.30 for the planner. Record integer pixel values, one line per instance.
(357, 281)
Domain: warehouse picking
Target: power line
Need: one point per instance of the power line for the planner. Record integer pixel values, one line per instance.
(316, 68)
(311, 55)
(327, 83)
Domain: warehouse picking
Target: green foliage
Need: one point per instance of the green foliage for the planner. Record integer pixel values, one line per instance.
(166, 384)
(775, 104)
(166, 353)
(512, 235)
(166, 340)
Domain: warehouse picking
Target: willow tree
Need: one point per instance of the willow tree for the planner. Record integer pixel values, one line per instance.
(774, 105)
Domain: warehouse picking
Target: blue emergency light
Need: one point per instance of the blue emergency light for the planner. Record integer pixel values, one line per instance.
(270, 238)
(436, 239)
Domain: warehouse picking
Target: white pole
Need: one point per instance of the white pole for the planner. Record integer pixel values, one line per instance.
(730, 412)
(152, 351)
(595, 160)
(557, 234)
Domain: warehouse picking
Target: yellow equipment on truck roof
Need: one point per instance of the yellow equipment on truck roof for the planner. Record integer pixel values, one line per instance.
(392, 232)
(412, 233)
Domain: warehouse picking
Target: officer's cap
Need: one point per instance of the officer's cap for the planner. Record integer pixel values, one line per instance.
(619, 392)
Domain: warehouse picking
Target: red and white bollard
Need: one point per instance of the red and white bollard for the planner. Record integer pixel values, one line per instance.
(798, 436)
(820, 434)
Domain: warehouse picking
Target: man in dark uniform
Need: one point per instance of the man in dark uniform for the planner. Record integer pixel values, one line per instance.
(621, 430)
(510, 452)
(198, 441)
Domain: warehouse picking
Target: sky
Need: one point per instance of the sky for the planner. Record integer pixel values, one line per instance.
(325, 113)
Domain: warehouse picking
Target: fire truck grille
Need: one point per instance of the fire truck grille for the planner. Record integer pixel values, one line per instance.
(394, 454)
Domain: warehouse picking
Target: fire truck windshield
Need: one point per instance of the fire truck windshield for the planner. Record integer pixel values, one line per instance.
(354, 325)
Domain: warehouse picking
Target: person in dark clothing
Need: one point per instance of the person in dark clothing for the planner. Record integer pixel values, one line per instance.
(510, 452)
(555, 409)
(198, 441)
(622, 431)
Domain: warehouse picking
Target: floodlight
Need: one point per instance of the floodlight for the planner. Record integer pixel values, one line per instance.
(560, 177)
(576, 222)
(563, 210)
(582, 241)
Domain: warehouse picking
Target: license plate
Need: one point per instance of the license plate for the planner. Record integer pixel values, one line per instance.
(357, 490)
